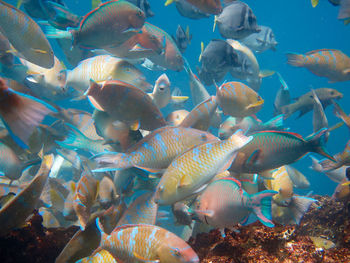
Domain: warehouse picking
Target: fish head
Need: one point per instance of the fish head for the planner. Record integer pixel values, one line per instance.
(162, 84)
(334, 94)
(150, 41)
(176, 117)
(177, 251)
(136, 17)
(227, 128)
(166, 191)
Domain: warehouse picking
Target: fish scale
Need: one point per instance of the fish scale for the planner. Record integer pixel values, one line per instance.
(194, 168)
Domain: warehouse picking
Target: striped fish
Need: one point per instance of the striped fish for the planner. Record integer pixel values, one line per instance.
(100, 257)
(237, 99)
(25, 36)
(147, 243)
(142, 211)
(102, 68)
(157, 150)
(271, 149)
(192, 170)
(171, 57)
(224, 203)
(329, 63)
(85, 196)
(200, 117)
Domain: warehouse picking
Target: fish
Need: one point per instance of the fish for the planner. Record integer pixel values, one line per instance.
(259, 154)
(148, 244)
(109, 24)
(35, 7)
(82, 244)
(340, 113)
(25, 36)
(171, 142)
(23, 204)
(142, 211)
(161, 95)
(68, 209)
(236, 21)
(102, 68)
(305, 103)
(207, 6)
(21, 113)
(224, 204)
(176, 117)
(109, 219)
(75, 139)
(336, 175)
(344, 11)
(299, 180)
(342, 191)
(247, 67)
(294, 212)
(99, 257)
(6, 58)
(126, 103)
(182, 38)
(112, 131)
(190, 172)
(249, 125)
(144, 5)
(319, 120)
(85, 195)
(323, 243)
(171, 57)
(200, 117)
(283, 97)
(107, 193)
(49, 220)
(238, 100)
(188, 10)
(51, 80)
(261, 41)
(182, 213)
(216, 59)
(332, 64)
(340, 160)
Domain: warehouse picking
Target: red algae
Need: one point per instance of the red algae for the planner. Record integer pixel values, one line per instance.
(327, 218)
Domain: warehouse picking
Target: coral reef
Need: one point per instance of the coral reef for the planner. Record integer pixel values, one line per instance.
(257, 243)
(34, 243)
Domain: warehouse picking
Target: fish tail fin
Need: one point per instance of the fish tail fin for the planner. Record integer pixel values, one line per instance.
(296, 60)
(262, 206)
(315, 164)
(112, 161)
(276, 122)
(266, 73)
(316, 142)
(75, 139)
(314, 3)
(287, 111)
(52, 32)
(299, 206)
(328, 165)
(24, 115)
(169, 2)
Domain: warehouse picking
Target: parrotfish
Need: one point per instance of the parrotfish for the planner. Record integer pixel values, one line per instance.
(200, 117)
(330, 63)
(21, 113)
(305, 103)
(23, 204)
(25, 36)
(271, 149)
(126, 103)
(147, 243)
(102, 256)
(107, 193)
(341, 159)
(190, 172)
(142, 211)
(224, 204)
(336, 175)
(171, 57)
(85, 196)
(207, 6)
(238, 100)
(176, 117)
(157, 150)
(102, 68)
(109, 24)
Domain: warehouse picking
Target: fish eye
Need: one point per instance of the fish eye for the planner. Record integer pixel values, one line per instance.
(139, 13)
(203, 137)
(332, 92)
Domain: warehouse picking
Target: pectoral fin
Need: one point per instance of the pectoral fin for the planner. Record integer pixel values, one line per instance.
(254, 105)
(178, 99)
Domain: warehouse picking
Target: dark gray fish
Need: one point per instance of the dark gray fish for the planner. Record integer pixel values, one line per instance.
(34, 8)
(182, 38)
(344, 11)
(236, 21)
(261, 41)
(144, 6)
(217, 58)
(187, 10)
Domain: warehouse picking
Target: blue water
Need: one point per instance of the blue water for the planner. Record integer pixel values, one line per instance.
(298, 28)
